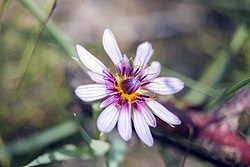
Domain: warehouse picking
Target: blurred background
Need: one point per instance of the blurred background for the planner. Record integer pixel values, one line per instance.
(205, 43)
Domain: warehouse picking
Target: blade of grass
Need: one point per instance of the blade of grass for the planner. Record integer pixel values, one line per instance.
(2, 9)
(32, 42)
(215, 70)
(32, 45)
(233, 90)
(64, 43)
(39, 140)
(58, 36)
(228, 4)
(84, 134)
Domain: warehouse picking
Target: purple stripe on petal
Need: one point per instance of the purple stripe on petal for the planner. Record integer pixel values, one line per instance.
(152, 71)
(108, 119)
(124, 122)
(147, 114)
(126, 62)
(109, 80)
(111, 47)
(143, 54)
(165, 85)
(160, 111)
(108, 74)
(96, 77)
(91, 92)
(90, 61)
(124, 66)
(142, 129)
(108, 101)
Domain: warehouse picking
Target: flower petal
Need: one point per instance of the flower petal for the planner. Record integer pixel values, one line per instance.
(90, 61)
(160, 111)
(124, 122)
(142, 129)
(108, 118)
(165, 85)
(152, 71)
(108, 101)
(91, 92)
(96, 77)
(143, 54)
(111, 47)
(148, 115)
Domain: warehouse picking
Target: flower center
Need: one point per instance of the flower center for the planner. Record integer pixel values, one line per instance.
(127, 88)
(130, 85)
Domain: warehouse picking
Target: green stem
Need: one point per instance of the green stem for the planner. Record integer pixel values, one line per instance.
(84, 134)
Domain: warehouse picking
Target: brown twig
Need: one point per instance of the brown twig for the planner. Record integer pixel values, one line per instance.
(216, 133)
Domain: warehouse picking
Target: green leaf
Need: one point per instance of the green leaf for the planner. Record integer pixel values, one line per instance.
(99, 147)
(67, 152)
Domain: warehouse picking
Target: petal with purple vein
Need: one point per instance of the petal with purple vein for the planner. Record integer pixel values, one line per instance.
(111, 47)
(124, 122)
(91, 92)
(90, 61)
(108, 101)
(165, 85)
(108, 119)
(98, 78)
(160, 111)
(143, 54)
(152, 71)
(147, 114)
(142, 129)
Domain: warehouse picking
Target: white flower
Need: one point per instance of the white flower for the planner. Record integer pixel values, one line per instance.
(126, 93)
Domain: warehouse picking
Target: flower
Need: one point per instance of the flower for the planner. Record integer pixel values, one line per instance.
(129, 93)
